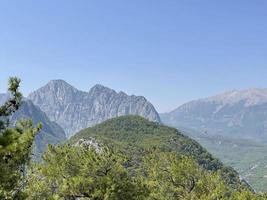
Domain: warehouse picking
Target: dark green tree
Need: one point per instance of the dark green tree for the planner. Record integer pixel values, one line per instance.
(172, 177)
(15, 145)
(71, 172)
(12, 104)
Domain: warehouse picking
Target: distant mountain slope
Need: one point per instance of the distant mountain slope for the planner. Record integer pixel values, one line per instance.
(239, 114)
(133, 134)
(74, 110)
(51, 132)
(244, 155)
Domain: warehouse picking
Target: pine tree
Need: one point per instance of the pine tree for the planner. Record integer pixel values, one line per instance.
(15, 145)
(70, 172)
(12, 104)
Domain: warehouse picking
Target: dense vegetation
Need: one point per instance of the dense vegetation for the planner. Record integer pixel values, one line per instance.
(72, 172)
(135, 135)
(82, 172)
(247, 157)
(137, 138)
(123, 158)
(15, 146)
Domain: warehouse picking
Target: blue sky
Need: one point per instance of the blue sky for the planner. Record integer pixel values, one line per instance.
(170, 51)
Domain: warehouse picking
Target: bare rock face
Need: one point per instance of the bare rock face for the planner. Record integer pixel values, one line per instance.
(238, 113)
(74, 110)
(90, 143)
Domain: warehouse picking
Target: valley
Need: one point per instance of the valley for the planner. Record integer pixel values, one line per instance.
(246, 156)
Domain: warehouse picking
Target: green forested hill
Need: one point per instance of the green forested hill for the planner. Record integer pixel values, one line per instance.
(135, 136)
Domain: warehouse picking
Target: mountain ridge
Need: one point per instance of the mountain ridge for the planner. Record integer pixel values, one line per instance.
(252, 96)
(240, 113)
(65, 105)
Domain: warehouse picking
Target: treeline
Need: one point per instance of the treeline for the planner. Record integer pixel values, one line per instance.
(72, 171)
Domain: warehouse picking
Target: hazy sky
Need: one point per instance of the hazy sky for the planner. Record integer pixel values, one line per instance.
(170, 51)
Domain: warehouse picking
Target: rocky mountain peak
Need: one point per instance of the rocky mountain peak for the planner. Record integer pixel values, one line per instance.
(237, 113)
(250, 97)
(59, 85)
(99, 89)
(55, 92)
(74, 109)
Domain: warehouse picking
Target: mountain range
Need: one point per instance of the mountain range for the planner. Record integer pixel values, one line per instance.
(75, 110)
(236, 114)
(232, 125)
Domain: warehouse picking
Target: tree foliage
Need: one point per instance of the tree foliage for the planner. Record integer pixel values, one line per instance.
(15, 146)
(71, 172)
(82, 173)
(171, 178)
(135, 135)
(12, 104)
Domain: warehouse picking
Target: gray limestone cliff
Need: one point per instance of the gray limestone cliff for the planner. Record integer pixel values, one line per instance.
(74, 110)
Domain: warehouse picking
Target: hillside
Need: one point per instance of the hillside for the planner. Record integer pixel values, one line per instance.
(51, 132)
(247, 157)
(236, 114)
(232, 126)
(134, 135)
(74, 110)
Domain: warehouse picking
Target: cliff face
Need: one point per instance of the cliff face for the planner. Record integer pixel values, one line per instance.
(74, 110)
